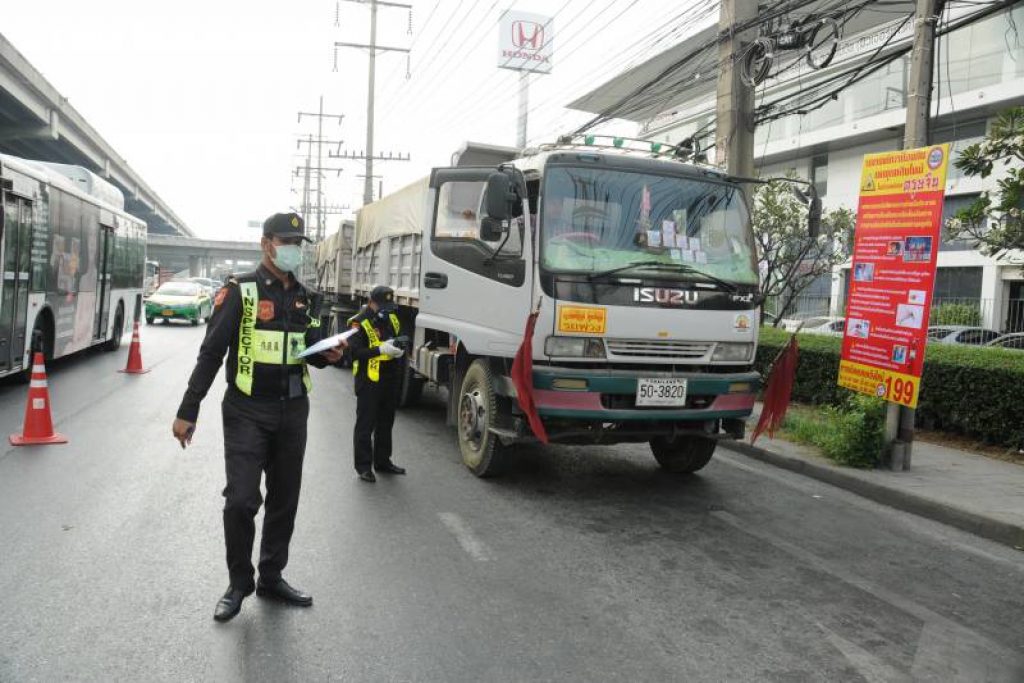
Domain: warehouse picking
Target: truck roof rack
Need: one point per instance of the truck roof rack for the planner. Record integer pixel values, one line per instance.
(686, 151)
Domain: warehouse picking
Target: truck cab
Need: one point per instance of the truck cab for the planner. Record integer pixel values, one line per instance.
(643, 272)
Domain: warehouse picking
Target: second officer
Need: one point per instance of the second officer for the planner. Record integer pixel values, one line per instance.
(378, 368)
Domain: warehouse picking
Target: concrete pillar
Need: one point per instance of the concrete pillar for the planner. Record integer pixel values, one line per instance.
(992, 288)
(194, 266)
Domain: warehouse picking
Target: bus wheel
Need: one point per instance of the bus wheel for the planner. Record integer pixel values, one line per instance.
(114, 343)
(41, 340)
(482, 451)
(149, 321)
(684, 454)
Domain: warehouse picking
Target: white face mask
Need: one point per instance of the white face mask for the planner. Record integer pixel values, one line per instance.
(288, 257)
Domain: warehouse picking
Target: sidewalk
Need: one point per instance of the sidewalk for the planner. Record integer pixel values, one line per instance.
(965, 490)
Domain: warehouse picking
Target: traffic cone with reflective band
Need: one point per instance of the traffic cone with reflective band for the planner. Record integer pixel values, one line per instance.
(38, 428)
(135, 354)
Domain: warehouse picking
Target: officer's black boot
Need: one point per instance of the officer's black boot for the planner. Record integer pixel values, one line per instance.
(230, 604)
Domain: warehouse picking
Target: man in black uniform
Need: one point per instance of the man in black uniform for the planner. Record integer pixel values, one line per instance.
(378, 371)
(263, 320)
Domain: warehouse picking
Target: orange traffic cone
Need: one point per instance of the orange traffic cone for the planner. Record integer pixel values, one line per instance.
(134, 366)
(38, 427)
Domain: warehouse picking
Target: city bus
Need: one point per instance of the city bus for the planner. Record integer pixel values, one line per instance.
(73, 262)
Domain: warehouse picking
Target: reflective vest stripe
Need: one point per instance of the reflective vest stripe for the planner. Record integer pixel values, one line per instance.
(266, 347)
(373, 365)
(246, 338)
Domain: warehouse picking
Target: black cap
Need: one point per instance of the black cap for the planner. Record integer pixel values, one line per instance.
(383, 296)
(285, 225)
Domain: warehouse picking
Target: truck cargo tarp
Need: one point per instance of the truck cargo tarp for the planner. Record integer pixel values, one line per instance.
(403, 212)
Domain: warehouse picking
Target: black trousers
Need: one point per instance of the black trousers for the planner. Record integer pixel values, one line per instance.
(261, 435)
(376, 403)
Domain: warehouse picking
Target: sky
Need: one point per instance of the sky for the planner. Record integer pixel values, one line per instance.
(202, 97)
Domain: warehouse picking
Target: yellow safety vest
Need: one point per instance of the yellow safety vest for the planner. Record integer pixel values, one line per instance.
(373, 365)
(266, 347)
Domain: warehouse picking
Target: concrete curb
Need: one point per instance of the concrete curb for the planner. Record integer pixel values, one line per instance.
(971, 522)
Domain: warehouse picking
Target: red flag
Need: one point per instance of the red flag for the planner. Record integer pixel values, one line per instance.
(776, 394)
(522, 377)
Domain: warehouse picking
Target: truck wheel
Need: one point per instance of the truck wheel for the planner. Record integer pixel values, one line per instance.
(482, 451)
(149, 321)
(412, 388)
(684, 454)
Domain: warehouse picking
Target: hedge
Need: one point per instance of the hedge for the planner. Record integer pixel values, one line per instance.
(973, 391)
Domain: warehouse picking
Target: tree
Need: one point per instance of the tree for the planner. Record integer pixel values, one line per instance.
(790, 259)
(995, 221)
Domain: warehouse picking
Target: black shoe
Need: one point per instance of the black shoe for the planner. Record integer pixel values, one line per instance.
(390, 468)
(282, 591)
(230, 605)
(367, 476)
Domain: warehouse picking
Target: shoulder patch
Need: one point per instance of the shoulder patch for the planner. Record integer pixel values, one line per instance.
(221, 295)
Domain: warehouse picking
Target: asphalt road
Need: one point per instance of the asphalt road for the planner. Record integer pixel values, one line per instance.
(583, 564)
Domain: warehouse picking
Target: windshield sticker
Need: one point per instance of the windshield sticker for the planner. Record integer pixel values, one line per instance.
(677, 254)
(701, 256)
(654, 238)
(682, 242)
(582, 320)
(741, 323)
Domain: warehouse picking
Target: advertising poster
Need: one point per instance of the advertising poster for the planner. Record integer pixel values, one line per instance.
(893, 273)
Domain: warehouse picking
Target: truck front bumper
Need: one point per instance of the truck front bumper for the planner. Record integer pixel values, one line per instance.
(610, 395)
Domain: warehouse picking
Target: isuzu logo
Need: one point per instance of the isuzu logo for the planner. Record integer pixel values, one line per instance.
(527, 34)
(659, 295)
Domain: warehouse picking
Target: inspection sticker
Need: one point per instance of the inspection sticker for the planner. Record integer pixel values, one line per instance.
(582, 320)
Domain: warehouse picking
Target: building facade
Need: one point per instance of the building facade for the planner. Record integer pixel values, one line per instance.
(979, 71)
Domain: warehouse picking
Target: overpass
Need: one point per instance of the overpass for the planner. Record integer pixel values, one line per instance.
(36, 122)
(202, 258)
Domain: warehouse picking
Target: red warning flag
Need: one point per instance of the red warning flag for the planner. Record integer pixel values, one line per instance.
(522, 377)
(776, 393)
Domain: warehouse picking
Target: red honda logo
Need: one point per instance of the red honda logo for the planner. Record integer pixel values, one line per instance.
(527, 34)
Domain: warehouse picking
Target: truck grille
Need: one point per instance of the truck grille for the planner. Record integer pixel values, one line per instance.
(656, 348)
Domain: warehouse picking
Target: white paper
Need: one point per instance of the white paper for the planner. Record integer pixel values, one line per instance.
(688, 255)
(325, 344)
(682, 242)
(668, 230)
(677, 254)
(654, 238)
(701, 256)
(695, 243)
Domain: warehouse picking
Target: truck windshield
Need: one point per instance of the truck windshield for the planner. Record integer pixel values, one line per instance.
(597, 220)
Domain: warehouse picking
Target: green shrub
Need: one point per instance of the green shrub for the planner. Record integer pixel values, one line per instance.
(852, 434)
(976, 392)
(956, 314)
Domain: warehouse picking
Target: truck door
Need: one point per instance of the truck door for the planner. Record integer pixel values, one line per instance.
(468, 287)
(104, 264)
(17, 250)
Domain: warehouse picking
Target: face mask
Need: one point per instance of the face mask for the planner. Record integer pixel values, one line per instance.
(288, 257)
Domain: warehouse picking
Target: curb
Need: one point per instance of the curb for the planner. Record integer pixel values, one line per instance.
(971, 522)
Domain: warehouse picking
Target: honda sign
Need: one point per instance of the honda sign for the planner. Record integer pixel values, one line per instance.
(524, 42)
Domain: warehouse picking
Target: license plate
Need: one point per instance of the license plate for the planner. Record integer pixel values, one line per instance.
(661, 392)
(168, 313)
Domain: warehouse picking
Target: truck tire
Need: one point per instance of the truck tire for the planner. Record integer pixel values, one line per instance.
(412, 388)
(684, 454)
(482, 451)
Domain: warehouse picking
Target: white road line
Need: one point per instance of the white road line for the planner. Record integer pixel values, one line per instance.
(476, 548)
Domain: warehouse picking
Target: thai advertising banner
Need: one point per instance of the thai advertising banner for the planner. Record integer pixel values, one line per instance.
(894, 254)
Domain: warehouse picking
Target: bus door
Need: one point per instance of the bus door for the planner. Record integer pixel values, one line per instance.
(104, 263)
(17, 250)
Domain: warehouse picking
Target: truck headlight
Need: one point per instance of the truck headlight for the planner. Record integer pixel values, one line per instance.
(733, 352)
(574, 347)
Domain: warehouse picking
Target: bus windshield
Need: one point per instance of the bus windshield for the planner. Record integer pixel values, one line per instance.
(596, 220)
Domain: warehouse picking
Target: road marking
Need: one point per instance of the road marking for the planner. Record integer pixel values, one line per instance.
(476, 548)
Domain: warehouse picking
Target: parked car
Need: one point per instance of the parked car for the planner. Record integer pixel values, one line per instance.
(831, 325)
(179, 301)
(1014, 340)
(960, 334)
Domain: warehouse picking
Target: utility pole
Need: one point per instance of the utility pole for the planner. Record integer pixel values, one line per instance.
(734, 140)
(524, 108)
(380, 184)
(320, 116)
(373, 48)
(899, 424)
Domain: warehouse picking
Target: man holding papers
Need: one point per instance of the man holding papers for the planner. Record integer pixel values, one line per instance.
(263, 321)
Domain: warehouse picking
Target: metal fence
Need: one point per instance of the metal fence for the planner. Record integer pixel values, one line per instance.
(1006, 315)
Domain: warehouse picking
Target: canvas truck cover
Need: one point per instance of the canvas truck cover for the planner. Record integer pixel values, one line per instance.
(403, 212)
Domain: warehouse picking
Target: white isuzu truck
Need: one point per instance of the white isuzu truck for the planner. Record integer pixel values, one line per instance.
(642, 267)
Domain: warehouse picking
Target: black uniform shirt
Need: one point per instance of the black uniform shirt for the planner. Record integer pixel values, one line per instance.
(359, 343)
(294, 302)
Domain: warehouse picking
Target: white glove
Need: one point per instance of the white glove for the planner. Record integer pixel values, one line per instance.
(390, 350)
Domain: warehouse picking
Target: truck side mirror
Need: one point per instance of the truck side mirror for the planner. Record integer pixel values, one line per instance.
(491, 230)
(499, 196)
